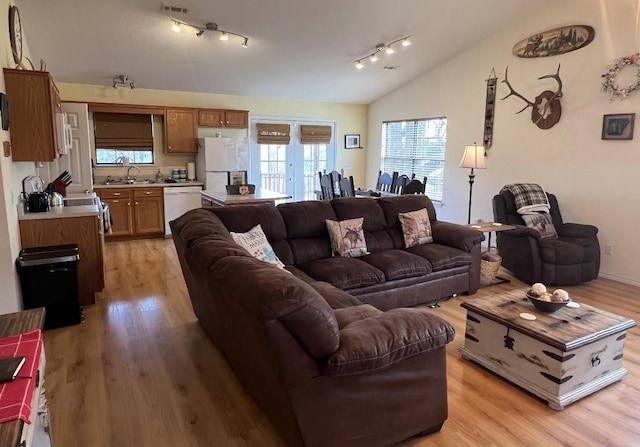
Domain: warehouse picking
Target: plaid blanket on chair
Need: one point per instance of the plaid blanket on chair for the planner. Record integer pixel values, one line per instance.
(529, 197)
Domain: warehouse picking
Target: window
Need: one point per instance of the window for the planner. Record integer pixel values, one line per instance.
(416, 148)
(122, 135)
(109, 156)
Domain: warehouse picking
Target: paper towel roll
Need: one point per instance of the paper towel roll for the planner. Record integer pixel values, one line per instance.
(191, 171)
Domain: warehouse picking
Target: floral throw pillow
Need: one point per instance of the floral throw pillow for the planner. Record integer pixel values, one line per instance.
(416, 228)
(347, 238)
(256, 243)
(541, 222)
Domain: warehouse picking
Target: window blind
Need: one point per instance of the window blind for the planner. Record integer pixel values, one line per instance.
(273, 133)
(123, 131)
(416, 148)
(315, 134)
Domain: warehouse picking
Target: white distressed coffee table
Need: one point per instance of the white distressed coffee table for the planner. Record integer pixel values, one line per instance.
(560, 357)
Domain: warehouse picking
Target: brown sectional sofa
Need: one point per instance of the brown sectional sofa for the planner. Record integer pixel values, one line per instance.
(327, 369)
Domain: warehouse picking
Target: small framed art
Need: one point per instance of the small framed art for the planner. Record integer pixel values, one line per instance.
(618, 126)
(237, 177)
(352, 141)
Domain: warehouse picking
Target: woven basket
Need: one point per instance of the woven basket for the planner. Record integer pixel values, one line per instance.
(489, 266)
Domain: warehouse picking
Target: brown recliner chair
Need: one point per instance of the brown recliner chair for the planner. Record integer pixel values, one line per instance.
(572, 258)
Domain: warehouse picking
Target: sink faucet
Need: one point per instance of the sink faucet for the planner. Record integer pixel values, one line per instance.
(129, 179)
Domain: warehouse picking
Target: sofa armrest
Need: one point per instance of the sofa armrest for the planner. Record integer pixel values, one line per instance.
(522, 231)
(382, 340)
(455, 235)
(576, 230)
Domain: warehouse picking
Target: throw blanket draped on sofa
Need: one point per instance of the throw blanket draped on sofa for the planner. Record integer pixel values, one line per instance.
(529, 197)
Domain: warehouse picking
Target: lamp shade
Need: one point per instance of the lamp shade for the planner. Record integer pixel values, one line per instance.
(473, 157)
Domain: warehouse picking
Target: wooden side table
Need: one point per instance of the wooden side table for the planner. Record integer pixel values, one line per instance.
(489, 227)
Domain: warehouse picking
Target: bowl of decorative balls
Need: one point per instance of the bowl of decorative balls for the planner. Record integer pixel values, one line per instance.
(545, 301)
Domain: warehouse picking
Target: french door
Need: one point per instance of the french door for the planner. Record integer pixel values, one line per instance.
(292, 168)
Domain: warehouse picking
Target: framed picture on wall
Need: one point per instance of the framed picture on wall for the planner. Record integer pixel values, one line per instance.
(352, 141)
(618, 126)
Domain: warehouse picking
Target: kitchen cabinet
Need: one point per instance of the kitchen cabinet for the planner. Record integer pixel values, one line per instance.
(148, 211)
(119, 201)
(85, 231)
(136, 211)
(34, 101)
(236, 119)
(180, 131)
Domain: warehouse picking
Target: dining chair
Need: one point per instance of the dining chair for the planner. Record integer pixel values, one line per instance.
(327, 188)
(400, 183)
(415, 187)
(346, 187)
(385, 181)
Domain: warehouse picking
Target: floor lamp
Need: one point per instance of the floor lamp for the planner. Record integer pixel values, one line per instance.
(473, 158)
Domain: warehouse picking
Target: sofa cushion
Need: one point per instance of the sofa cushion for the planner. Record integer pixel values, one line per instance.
(343, 273)
(416, 228)
(384, 339)
(241, 219)
(256, 243)
(270, 293)
(335, 297)
(307, 229)
(441, 257)
(398, 264)
(347, 315)
(347, 238)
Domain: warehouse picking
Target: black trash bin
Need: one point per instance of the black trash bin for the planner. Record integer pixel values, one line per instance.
(49, 279)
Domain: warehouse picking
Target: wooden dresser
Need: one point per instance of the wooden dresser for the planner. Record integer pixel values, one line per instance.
(17, 433)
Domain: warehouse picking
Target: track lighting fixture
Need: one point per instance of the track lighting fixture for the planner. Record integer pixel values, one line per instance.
(388, 48)
(200, 30)
(123, 81)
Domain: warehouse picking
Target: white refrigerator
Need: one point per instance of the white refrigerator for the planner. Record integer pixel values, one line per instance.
(217, 158)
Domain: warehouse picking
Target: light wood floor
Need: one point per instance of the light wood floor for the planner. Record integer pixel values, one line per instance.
(141, 372)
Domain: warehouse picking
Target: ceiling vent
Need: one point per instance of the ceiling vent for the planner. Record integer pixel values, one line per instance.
(391, 67)
(171, 10)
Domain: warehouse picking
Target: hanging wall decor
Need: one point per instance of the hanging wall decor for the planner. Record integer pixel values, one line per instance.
(555, 41)
(545, 108)
(489, 110)
(609, 84)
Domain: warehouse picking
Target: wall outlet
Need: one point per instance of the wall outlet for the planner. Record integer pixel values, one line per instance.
(608, 249)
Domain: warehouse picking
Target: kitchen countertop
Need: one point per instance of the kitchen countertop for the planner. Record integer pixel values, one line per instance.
(57, 212)
(147, 185)
(261, 195)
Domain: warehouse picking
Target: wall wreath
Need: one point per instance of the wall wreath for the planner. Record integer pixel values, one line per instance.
(609, 84)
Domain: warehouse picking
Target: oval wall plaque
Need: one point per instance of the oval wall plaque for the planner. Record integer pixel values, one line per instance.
(555, 41)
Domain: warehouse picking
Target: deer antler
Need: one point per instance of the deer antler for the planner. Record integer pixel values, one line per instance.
(556, 95)
(514, 93)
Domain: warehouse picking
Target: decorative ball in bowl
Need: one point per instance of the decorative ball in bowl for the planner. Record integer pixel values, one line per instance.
(549, 302)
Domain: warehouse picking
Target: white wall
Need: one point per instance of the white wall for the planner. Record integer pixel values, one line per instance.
(11, 175)
(596, 181)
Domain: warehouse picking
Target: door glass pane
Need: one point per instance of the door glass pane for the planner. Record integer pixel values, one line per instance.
(272, 167)
(315, 161)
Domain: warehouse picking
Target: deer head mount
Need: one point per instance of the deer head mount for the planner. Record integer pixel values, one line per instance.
(546, 109)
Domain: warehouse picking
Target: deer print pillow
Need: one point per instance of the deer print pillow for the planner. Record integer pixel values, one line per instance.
(347, 238)
(416, 228)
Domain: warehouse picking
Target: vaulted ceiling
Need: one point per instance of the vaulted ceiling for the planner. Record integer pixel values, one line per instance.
(297, 49)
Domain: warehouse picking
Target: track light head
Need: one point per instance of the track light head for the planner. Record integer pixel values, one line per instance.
(388, 48)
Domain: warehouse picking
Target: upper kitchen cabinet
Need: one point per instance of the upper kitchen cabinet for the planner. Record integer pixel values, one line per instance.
(33, 103)
(180, 131)
(236, 119)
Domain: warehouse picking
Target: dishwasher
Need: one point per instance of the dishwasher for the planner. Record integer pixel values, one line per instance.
(177, 201)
